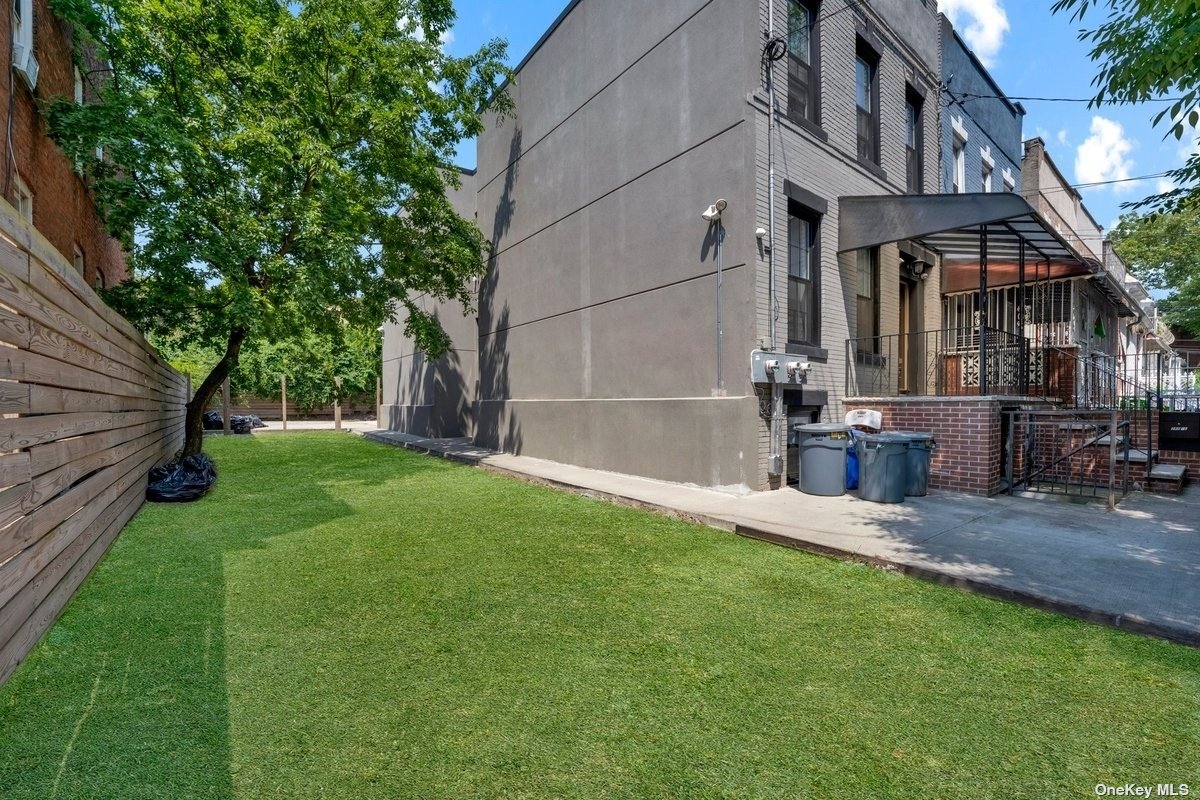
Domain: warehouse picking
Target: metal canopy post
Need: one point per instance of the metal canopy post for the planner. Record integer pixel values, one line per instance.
(983, 311)
(1023, 362)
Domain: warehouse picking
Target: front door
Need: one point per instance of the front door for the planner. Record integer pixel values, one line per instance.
(904, 348)
(909, 353)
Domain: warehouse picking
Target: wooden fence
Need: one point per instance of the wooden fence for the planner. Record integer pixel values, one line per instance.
(87, 409)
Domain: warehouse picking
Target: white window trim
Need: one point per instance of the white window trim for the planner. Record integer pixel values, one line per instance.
(78, 79)
(960, 130)
(23, 25)
(24, 199)
(1010, 183)
(959, 155)
(985, 155)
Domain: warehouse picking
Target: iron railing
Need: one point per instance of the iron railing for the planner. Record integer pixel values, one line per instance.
(948, 362)
(1070, 452)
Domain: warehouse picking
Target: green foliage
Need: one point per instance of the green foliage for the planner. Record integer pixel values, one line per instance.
(283, 165)
(311, 361)
(1148, 50)
(1163, 250)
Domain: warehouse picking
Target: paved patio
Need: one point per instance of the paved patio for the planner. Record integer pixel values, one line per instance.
(1135, 568)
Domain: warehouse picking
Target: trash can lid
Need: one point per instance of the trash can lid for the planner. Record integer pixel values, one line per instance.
(886, 438)
(823, 427)
(915, 436)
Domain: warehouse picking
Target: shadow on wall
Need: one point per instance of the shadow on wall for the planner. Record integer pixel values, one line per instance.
(496, 427)
(451, 413)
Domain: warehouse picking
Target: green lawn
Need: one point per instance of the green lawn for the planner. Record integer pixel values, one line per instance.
(340, 619)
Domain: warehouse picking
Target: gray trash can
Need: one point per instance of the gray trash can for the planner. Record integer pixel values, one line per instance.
(920, 451)
(882, 467)
(823, 447)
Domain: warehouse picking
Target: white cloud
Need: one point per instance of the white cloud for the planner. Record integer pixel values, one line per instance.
(1104, 156)
(1062, 138)
(986, 27)
(447, 39)
(1164, 185)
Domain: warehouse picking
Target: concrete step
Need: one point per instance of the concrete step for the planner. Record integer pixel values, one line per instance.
(1168, 472)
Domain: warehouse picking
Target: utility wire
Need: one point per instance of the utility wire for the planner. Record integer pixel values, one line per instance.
(962, 96)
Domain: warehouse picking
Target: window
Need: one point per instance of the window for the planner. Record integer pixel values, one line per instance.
(22, 23)
(866, 98)
(1009, 183)
(868, 300)
(78, 260)
(78, 86)
(804, 267)
(959, 155)
(914, 143)
(802, 60)
(987, 177)
(99, 280)
(22, 199)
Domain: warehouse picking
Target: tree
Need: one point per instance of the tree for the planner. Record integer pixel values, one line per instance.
(310, 360)
(1163, 250)
(1148, 50)
(279, 168)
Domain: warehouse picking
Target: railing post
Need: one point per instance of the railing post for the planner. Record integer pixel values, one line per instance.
(283, 400)
(1010, 454)
(1112, 460)
(983, 310)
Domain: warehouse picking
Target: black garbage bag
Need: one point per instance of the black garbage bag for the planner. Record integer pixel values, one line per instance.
(213, 421)
(256, 422)
(241, 424)
(183, 481)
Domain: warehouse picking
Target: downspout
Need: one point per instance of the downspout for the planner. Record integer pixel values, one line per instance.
(772, 52)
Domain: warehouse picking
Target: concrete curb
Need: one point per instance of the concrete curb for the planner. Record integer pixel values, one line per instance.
(1124, 622)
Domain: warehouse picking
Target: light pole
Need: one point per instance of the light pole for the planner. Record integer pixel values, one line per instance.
(712, 215)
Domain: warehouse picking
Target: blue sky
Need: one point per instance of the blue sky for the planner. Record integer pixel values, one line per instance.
(1029, 51)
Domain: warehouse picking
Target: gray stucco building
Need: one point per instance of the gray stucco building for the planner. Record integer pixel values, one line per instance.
(595, 340)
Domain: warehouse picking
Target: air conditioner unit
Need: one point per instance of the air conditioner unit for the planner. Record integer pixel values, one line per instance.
(25, 63)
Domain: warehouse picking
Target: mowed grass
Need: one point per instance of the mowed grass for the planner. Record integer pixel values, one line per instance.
(340, 619)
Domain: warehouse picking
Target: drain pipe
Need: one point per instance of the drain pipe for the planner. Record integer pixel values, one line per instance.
(774, 50)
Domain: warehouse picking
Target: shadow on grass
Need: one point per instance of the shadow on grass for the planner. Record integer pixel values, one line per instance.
(127, 695)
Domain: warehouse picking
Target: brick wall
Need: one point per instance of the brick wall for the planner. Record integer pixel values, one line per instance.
(967, 431)
(62, 205)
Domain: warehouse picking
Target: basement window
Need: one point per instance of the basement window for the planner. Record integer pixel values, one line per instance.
(22, 199)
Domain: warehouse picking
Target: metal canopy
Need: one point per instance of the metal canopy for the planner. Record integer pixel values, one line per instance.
(952, 223)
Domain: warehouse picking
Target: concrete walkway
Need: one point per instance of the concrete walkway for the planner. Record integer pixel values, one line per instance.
(1136, 568)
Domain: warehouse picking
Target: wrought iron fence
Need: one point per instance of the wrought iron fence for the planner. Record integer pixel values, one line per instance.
(945, 362)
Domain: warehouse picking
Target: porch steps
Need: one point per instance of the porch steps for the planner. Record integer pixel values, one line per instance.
(1167, 478)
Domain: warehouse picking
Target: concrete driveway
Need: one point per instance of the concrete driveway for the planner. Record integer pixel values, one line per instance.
(1137, 567)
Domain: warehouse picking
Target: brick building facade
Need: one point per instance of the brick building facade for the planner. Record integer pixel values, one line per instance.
(39, 180)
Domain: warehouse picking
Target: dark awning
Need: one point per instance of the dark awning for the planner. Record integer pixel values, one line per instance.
(951, 224)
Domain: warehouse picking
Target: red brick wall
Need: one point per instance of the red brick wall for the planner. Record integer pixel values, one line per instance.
(967, 430)
(62, 206)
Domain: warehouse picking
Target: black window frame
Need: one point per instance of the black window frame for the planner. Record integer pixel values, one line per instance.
(873, 299)
(809, 93)
(914, 152)
(813, 218)
(867, 148)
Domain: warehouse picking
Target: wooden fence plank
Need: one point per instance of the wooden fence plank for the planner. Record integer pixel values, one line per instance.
(31, 527)
(17, 571)
(19, 434)
(16, 648)
(14, 398)
(46, 457)
(21, 365)
(19, 603)
(53, 400)
(14, 329)
(14, 468)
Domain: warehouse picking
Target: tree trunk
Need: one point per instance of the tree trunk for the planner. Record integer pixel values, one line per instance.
(194, 421)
